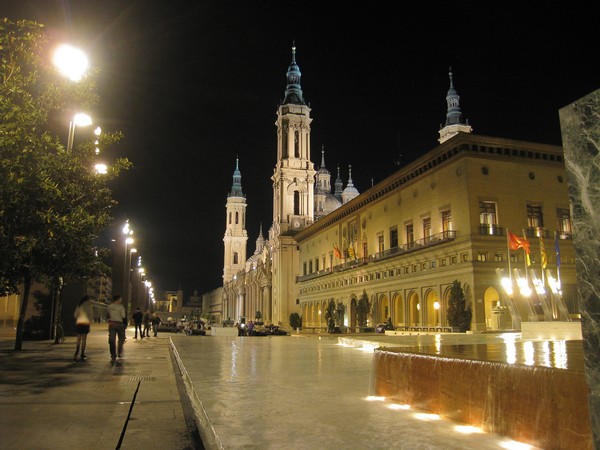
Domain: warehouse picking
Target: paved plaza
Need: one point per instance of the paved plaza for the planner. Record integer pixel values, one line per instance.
(277, 392)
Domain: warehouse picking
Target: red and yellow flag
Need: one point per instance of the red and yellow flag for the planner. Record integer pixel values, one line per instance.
(336, 252)
(351, 253)
(516, 242)
(543, 253)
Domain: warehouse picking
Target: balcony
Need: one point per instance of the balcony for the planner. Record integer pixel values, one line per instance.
(420, 244)
(532, 232)
(410, 247)
(486, 229)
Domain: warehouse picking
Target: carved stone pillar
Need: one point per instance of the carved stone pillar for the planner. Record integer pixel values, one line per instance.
(580, 127)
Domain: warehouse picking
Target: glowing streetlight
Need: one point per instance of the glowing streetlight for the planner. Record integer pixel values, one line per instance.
(79, 120)
(436, 306)
(101, 169)
(70, 61)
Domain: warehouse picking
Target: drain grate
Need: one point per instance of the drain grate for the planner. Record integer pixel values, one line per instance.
(142, 379)
(134, 373)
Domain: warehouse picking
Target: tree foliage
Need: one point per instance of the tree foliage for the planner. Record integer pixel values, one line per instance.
(53, 205)
(363, 309)
(330, 315)
(295, 320)
(459, 313)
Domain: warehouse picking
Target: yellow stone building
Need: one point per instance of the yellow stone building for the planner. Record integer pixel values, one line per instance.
(441, 218)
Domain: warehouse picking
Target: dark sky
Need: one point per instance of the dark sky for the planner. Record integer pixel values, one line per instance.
(192, 84)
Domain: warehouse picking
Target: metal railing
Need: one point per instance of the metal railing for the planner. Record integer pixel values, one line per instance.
(410, 247)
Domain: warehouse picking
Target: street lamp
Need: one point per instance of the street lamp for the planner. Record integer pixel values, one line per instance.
(436, 306)
(79, 120)
(70, 61)
(127, 231)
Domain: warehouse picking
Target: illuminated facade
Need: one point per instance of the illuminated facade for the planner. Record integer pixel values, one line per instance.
(442, 218)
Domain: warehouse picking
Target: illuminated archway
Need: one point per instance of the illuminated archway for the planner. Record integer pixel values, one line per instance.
(382, 309)
(353, 322)
(490, 298)
(414, 306)
(432, 313)
(398, 313)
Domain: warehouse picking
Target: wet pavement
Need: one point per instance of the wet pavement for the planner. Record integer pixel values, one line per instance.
(49, 402)
(301, 391)
(307, 392)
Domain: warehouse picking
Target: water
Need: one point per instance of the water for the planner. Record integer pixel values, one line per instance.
(300, 392)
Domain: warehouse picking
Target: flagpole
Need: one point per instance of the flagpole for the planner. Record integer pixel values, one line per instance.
(542, 245)
(525, 253)
(557, 251)
(508, 249)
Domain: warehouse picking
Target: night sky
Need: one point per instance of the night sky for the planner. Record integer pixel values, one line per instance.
(193, 84)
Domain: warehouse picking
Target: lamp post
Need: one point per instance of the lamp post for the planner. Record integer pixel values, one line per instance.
(79, 120)
(127, 231)
(436, 306)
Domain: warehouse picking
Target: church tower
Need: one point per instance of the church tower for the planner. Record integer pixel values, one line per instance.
(236, 236)
(294, 174)
(293, 194)
(454, 122)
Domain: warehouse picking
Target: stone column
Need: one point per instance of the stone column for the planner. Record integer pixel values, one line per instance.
(580, 128)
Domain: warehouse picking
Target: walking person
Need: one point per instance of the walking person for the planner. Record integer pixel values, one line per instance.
(138, 317)
(83, 317)
(116, 327)
(146, 330)
(155, 323)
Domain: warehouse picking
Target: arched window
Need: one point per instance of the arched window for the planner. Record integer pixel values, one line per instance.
(296, 203)
(237, 217)
(296, 145)
(235, 257)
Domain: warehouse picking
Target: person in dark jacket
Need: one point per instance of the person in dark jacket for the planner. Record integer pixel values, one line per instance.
(138, 317)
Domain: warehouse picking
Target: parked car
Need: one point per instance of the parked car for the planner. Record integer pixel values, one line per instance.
(381, 327)
(274, 330)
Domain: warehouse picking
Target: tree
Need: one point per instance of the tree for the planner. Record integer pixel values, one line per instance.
(52, 205)
(459, 313)
(363, 309)
(295, 320)
(330, 316)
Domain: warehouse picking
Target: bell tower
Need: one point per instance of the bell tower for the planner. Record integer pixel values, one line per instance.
(236, 236)
(293, 194)
(294, 175)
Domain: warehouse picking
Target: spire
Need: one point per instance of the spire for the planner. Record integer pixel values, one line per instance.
(339, 185)
(454, 123)
(236, 188)
(293, 91)
(350, 192)
(322, 155)
(453, 115)
(260, 241)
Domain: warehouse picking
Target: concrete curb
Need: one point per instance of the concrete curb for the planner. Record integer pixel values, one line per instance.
(207, 432)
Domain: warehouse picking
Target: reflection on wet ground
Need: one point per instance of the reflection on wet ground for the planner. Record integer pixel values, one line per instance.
(310, 392)
(504, 347)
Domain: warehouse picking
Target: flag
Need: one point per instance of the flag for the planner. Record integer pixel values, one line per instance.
(351, 253)
(516, 242)
(543, 253)
(336, 252)
(557, 249)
